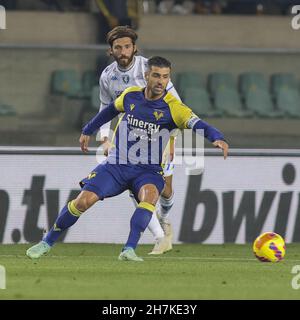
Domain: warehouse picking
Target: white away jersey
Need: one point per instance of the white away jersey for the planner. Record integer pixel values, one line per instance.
(114, 81)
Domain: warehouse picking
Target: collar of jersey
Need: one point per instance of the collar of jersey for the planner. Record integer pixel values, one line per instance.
(125, 70)
(161, 98)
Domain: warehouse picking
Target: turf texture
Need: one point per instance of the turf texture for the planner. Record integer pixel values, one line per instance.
(189, 271)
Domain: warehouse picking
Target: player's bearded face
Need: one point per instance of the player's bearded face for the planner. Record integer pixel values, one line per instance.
(158, 79)
(123, 51)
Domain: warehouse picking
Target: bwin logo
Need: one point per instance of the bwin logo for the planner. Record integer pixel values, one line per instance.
(2, 18)
(233, 216)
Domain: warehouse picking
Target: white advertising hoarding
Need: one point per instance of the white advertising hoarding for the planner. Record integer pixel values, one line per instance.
(233, 200)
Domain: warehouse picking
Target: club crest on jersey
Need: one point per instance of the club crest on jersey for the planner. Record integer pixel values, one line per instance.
(125, 78)
(132, 106)
(158, 115)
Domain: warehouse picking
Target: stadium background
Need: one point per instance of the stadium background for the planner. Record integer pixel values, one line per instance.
(243, 59)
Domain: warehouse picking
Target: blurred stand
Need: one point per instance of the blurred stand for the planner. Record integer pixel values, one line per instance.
(112, 13)
(247, 7)
(45, 5)
(244, 73)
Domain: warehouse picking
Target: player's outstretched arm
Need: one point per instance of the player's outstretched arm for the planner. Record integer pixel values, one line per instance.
(102, 117)
(184, 118)
(211, 133)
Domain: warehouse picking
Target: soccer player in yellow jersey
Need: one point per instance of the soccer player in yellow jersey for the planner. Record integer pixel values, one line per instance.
(148, 115)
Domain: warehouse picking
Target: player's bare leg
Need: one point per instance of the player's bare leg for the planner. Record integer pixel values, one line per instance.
(67, 217)
(148, 196)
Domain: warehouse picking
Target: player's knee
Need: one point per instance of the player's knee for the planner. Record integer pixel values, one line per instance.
(149, 194)
(81, 205)
(84, 201)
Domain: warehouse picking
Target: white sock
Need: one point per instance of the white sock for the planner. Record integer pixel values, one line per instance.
(155, 227)
(165, 205)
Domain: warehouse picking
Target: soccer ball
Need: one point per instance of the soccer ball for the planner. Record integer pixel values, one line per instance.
(269, 247)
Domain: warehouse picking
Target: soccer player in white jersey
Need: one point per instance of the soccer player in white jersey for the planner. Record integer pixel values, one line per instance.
(127, 70)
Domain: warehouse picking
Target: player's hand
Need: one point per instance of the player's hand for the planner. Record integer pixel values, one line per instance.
(84, 142)
(106, 145)
(222, 145)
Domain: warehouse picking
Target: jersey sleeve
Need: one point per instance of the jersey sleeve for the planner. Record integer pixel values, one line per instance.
(170, 88)
(119, 107)
(102, 117)
(184, 118)
(105, 100)
(181, 114)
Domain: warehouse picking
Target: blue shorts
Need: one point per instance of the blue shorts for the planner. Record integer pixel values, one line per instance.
(108, 180)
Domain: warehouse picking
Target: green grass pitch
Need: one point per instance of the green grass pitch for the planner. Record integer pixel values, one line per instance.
(189, 271)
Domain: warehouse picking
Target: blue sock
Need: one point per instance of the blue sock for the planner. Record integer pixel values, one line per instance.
(67, 217)
(138, 223)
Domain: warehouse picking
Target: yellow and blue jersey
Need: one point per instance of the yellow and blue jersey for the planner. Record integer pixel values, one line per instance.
(145, 126)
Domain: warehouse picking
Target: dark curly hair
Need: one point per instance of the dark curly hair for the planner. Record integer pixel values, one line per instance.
(121, 32)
